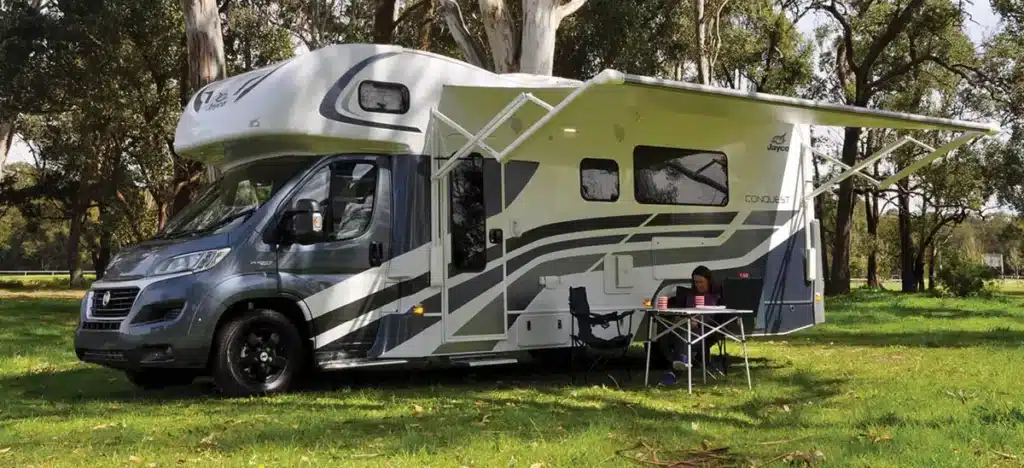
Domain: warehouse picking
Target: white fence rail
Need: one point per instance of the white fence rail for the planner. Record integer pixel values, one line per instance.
(40, 272)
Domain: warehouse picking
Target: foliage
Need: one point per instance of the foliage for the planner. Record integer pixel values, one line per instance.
(963, 277)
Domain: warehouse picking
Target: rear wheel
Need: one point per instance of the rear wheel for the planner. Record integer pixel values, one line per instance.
(258, 353)
(155, 379)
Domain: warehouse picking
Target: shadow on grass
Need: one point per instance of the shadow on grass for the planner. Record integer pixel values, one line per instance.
(460, 407)
(997, 337)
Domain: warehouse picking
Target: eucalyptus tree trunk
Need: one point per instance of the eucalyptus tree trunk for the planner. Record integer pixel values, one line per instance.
(206, 64)
(6, 139)
(533, 51)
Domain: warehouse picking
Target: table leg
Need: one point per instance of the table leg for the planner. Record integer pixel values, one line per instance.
(746, 361)
(689, 357)
(703, 355)
(650, 344)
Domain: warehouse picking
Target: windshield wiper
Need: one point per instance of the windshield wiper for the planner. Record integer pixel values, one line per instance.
(223, 222)
(213, 227)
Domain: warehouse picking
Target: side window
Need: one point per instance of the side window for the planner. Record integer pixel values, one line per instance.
(468, 222)
(599, 180)
(316, 188)
(674, 176)
(378, 96)
(353, 190)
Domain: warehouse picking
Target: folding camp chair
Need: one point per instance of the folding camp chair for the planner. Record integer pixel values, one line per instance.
(579, 307)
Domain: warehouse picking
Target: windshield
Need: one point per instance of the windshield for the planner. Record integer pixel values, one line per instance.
(235, 196)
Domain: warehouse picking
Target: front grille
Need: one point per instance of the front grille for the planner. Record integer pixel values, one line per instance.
(87, 325)
(117, 306)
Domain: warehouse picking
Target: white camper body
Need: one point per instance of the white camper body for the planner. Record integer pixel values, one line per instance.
(623, 184)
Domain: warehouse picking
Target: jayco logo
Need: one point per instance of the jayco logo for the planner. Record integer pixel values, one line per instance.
(778, 144)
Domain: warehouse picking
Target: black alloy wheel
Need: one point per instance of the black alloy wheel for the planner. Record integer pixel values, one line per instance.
(258, 353)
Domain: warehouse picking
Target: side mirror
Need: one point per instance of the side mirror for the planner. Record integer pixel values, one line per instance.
(307, 221)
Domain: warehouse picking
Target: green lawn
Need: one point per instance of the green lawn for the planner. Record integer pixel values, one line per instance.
(890, 381)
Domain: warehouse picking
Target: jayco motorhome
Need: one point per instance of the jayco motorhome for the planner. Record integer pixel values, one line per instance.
(382, 206)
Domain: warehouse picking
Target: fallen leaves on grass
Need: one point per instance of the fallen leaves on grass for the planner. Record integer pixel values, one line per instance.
(875, 436)
(105, 426)
(798, 457)
(1005, 456)
(704, 457)
(5, 450)
(134, 459)
(417, 411)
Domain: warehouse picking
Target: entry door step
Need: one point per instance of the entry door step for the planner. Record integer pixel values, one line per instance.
(356, 363)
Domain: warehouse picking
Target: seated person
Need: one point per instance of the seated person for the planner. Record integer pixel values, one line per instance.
(703, 285)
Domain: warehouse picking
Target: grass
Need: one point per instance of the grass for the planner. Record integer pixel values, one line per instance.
(890, 381)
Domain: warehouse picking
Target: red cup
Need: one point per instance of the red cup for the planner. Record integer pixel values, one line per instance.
(662, 303)
(698, 300)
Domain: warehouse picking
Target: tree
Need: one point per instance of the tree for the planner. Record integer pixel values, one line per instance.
(876, 45)
(532, 51)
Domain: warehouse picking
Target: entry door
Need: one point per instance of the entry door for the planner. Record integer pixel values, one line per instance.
(474, 267)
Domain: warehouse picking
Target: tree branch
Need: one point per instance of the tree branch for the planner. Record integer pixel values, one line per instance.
(895, 26)
(409, 11)
(453, 18)
(566, 10)
(833, 10)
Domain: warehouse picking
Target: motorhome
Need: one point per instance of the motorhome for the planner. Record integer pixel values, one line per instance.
(384, 206)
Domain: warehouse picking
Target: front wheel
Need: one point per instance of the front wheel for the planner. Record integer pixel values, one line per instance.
(258, 353)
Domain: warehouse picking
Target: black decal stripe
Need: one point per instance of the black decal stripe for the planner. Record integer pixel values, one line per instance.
(684, 219)
(243, 90)
(528, 256)
(463, 293)
(575, 226)
(647, 237)
(327, 105)
(526, 288)
(369, 303)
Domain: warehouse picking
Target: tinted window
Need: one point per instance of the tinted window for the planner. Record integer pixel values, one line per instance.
(468, 215)
(389, 98)
(599, 179)
(674, 176)
(353, 190)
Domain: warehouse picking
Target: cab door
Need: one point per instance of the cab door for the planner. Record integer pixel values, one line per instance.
(339, 277)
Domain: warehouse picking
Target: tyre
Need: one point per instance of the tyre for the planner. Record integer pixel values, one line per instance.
(155, 379)
(258, 353)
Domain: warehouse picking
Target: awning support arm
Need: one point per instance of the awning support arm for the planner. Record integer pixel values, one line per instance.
(504, 115)
(888, 149)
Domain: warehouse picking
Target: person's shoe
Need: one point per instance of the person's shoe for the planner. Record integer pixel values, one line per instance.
(679, 365)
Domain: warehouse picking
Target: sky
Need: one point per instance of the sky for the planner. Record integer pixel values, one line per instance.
(983, 23)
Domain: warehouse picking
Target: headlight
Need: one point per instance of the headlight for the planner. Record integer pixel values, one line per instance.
(193, 262)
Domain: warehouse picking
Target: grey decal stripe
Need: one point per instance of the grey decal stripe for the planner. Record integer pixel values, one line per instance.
(520, 294)
(524, 289)
(465, 347)
(574, 226)
(769, 218)
(489, 321)
(528, 256)
(460, 294)
(517, 175)
(327, 105)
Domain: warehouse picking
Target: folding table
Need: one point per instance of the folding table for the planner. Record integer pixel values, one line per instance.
(673, 319)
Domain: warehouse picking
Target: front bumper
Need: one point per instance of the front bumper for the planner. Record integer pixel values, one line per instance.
(153, 333)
